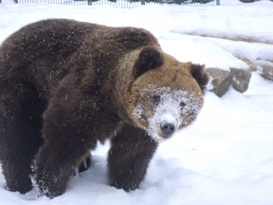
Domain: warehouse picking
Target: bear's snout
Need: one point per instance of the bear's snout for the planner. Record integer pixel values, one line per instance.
(168, 125)
(167, 129)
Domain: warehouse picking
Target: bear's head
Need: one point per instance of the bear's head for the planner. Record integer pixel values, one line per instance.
(163, 94)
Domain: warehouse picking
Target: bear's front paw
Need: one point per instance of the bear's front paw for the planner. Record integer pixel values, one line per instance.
(48, 183)
(32, 195)
(45, 187)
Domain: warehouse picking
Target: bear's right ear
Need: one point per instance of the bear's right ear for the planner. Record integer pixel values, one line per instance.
(200, 75)
(149, 58)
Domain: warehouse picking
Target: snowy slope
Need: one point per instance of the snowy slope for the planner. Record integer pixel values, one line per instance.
(226, 156)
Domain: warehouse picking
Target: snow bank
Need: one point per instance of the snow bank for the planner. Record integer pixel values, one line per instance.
(240, 24)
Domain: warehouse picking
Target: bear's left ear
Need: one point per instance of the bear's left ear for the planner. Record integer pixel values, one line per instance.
(149, 58)
(200, 75)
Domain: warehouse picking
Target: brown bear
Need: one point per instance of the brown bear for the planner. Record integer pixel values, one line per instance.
(66, 84)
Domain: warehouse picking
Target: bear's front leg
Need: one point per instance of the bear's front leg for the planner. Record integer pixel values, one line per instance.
(66, 145)
(53, 167)
(129, 156)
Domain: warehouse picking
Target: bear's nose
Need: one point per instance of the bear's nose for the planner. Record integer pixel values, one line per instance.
(167, 129)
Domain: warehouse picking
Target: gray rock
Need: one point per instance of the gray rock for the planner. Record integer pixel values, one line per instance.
(219, 80)
(222, 80)
(264, 66)
(240, 79)
(265, 69)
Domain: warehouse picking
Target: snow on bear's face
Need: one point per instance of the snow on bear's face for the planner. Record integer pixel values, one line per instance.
(163, 111)
(167, 96)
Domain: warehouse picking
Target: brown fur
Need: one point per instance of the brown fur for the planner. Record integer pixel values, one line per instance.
(66, 84)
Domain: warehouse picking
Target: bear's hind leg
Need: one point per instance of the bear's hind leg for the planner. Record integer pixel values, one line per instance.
(85, 164)
(129, 156)
(20, 134)
(19, 143)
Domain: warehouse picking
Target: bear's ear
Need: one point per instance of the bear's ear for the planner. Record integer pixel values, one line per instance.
(149, 58)
(200, 75)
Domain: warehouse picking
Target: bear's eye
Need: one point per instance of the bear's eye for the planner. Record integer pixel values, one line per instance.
(182, 105)
(156, 99)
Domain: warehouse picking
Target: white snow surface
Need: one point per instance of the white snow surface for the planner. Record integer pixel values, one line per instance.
(226, 156)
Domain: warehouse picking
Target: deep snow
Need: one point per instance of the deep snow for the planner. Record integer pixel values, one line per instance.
(226, 156)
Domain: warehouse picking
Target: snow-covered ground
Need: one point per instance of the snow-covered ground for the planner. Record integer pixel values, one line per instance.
(226, 156)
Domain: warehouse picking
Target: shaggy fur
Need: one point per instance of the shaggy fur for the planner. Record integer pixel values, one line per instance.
(64, 86)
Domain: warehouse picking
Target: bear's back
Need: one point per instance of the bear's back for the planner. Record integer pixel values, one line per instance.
(47, 45)
(43, 45)
(43, 53)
